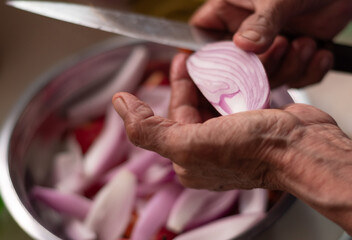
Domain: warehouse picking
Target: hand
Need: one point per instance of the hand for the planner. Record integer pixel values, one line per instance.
(257, 24)
(298, 149)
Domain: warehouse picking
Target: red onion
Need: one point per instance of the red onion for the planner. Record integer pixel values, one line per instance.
(126, 79)
(157, 97)
(231, 79)
(75, 230)
(190, 203)
(65, 203)
(253, 201)
(112, 207)
(216, 208)
(155, 213)
(108, 149)
(224, 228)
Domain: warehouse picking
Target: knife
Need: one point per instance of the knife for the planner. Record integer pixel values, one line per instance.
(159, 30)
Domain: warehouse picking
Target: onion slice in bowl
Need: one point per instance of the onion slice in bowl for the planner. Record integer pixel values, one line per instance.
(231, 79)
(112, 207)
(224, 228)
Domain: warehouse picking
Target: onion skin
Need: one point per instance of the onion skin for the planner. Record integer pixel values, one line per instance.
(231, 79)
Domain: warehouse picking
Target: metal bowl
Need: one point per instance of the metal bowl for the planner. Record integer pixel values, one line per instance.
(31, 134)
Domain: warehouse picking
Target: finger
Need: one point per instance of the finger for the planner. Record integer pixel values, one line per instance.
(219, 15)
(318, 67)
(258, 31)
(309, 114)
(158, 134)
(295, 62)
(272, 58)
(184, 94)
(142, 127)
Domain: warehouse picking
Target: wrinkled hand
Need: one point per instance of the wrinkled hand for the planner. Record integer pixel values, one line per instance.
(257, 24)
(298, 149)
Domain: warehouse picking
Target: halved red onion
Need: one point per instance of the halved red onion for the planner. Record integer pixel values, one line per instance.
(126, 80)
(188, 205)
(224, 228)
(65, 203)
(155, 213)
(112, 207)
(231, 79)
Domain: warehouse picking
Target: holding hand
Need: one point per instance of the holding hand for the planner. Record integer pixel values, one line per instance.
(298, 149)
(257, 23)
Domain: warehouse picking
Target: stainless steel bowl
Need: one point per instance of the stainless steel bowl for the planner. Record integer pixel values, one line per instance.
(31, 134)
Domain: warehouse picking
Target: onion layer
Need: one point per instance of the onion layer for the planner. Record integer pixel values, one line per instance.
(231, 79)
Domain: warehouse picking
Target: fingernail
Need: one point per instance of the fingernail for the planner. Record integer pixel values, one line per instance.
(120, 106)
(251, 35)
(325, 63)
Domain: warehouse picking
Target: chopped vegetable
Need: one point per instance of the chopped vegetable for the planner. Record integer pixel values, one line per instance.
(253, 201)
(65, 203)
(224, 228)
(126, 79)
(75, 230)
(190, 203)
(156, 212)
(112, 207)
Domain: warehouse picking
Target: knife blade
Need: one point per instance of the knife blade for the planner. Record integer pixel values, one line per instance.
(163, 31)
(158, 30)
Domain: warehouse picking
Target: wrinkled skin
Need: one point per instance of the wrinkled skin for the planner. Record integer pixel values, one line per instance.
(298, 149)
(257, 24)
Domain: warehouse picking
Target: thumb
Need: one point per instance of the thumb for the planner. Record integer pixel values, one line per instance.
(143, 128)
(258, 31)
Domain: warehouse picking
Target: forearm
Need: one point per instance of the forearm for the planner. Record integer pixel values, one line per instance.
(317, 168)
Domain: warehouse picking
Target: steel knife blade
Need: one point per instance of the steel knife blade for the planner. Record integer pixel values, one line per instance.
(158, 30)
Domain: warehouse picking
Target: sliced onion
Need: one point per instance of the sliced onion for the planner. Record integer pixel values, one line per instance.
(253, 201)
(224, 228)
(112, 207)
(108, 149)
(76, 230)
(231, 79)
(65, 203)
(188, 205)
(216, 208)
(155, 213)
(126, 80)
(68, 168)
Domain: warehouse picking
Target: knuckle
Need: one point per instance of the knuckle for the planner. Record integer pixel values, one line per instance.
(134, 133)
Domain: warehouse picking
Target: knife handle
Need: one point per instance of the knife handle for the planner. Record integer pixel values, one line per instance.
(342, 53)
